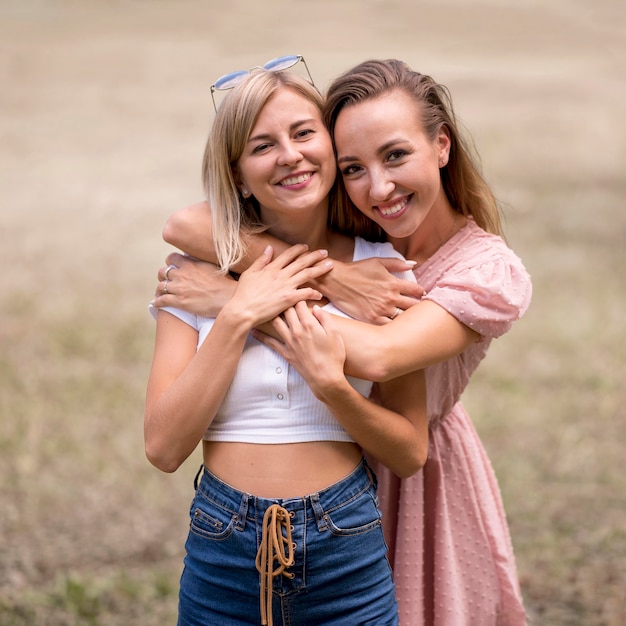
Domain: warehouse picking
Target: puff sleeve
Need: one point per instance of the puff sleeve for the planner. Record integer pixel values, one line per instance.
(487, 292)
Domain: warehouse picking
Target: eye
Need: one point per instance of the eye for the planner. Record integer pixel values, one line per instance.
(396, 155)
(350, 170)
(260, 148)
(305, 133)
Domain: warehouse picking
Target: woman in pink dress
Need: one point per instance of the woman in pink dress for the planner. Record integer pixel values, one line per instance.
(405, 167)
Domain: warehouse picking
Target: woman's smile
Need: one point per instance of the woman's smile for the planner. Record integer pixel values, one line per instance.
(395, 208)
(296, 181)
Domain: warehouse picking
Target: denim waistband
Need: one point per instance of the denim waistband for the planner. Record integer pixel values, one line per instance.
(337, 494)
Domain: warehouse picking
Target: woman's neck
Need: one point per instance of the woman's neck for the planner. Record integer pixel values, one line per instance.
(340, 247)
(436, 229)
(312, 232)
(311, 229)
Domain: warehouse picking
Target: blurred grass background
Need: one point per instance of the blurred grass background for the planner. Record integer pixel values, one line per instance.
(104, 110)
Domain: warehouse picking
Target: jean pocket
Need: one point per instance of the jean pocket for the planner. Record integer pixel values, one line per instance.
(357, 516)
(210, 520)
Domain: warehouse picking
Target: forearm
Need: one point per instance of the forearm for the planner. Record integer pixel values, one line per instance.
(190, 229)
(420, 337)
(385, 434)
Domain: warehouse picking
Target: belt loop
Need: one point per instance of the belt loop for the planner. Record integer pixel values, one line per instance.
(320, 516)
(243, 511)
(196, 479)
(371, 473)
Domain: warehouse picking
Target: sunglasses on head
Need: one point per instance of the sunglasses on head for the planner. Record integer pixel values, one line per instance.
(228, 81)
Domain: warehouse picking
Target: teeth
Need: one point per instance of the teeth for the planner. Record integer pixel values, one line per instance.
(390, 210)
(294, 180)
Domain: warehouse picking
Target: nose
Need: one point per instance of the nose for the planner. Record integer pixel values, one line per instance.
(289, 153)
(381, 185)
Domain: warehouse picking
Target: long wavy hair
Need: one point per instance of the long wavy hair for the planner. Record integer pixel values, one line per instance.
(462, 181)
(235, 217)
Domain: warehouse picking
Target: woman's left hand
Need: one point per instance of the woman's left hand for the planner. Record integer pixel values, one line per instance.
(368, 291)
(269, 287)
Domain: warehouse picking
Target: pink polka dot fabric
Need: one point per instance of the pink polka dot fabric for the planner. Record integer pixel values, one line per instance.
(448, 538)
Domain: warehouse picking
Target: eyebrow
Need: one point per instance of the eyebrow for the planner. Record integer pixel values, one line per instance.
(292, 127)
(381, 149)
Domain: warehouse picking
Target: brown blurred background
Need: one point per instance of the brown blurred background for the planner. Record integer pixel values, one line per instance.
(104, 110)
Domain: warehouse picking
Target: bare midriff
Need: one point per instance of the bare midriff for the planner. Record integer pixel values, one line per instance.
(281, 470)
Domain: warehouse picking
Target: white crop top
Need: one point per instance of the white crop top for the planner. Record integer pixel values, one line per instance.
(268, 401)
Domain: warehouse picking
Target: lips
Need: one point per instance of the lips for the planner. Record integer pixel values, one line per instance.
(393, 208)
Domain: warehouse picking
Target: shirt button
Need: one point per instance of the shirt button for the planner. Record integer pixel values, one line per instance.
(280, 396)
(279, 370)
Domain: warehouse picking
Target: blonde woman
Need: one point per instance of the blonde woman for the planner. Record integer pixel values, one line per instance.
(284, 488)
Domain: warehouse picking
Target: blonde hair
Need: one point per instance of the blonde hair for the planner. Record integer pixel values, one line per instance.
(463, 183)
(235, 217)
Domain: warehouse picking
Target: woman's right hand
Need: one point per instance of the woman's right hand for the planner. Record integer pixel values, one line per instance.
(310, 341)
(269, 287)
(192, 285)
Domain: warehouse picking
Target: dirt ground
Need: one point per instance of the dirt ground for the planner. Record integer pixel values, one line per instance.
(104, 110)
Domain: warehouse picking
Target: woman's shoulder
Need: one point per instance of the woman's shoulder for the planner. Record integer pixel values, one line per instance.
(474, 247)
(191, 319)
(480, 280)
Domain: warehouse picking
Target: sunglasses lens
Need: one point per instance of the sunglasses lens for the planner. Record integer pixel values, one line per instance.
(230, 80)
(281, 63)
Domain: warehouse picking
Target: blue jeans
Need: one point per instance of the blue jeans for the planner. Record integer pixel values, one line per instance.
(341, 574)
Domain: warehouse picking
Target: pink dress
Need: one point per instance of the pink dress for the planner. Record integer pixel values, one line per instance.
(448, 538)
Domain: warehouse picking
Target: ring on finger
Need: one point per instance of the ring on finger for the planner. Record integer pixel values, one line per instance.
(165, 291)
(396, 313)
(167, 271)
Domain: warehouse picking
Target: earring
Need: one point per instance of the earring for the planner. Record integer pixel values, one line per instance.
(245, 193)
(443, 161)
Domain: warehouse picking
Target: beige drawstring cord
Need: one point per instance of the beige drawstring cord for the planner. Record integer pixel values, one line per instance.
(272, 549)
